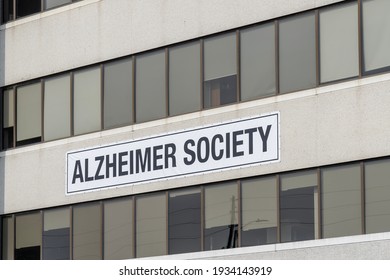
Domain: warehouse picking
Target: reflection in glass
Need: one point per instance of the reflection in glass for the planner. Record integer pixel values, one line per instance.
(28, 236)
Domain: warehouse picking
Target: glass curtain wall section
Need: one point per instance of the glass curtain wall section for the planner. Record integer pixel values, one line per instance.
(8, 118)
(297, 53)
(151, 231)
(259, 211)
(28, 236)
(27, 7)
(184, 221)
(118, 229)
(220, 70)
(339, 42)
(341, 201)
(56, 234)
(87, 231)
(184, 79)
(57, 111)
(257, 51)
(150, 86)
(377, 196)
(299, 206)
(376, 34)
(221, 216)
(87, 100)
(8, 240)
(28, 114)
(118, 93)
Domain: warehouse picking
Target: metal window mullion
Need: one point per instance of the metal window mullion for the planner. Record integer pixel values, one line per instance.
(71, 232)
(166, 83)
(239, 214)
(319, 203)
(42, 111)
(363, 196)
(101, 209)
(101, 97)
(133, 227)
(278, 233)
(202, 218)
(277, 64)
(238, 66)
(360, 38)
(202, 73)
(134, 62)
(166, 223)
(317, 46)
(42, 231)
(72, 119)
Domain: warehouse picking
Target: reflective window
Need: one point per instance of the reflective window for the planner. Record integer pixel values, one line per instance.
(27, 7)
(184, 79)
(29, 104)
(220, 70)
(150, 86)
(7, 243)
(259, 211)
(87, 232)
(184, 224)
(87, 101)
(297, 53)
(118, 97)
(151, 221)
(57, 108)
(299, 206)
(341, 201)
(118, 229)
(28, 236)
(56, 234)
(221, 216)
(8, 118)
(339, 46)
(376, 34)
(377, 182)
(49, 4)
(257, 48)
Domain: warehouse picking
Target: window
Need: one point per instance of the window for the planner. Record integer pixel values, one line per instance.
(87, 101)
(339, 46)
(118, 229)
(299, 206)
(259, 211)
(150, 86)
(8, 10)
(87, 232)
(28, 236)
(151, 223)
(376, 30)
(184, 79)
(297, 53)
(27, 7)
(258, 62)
(377, 182)
(220, 70)
(29, 113)
(118, 93)
(7, 238)
(49, 4)
(341, 201)
(8, 118)
(184, 221)
(56, 234)
(57, 108)
(221, 216)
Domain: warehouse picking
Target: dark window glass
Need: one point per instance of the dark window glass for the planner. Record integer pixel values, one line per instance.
(8, 10)
(27, 7)
(56, 237)
(28, 237)
(184, 221)
(220, 91)
(7, 243)
(8, 118)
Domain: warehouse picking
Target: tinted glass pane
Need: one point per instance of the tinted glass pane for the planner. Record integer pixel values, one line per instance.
(29, 112)
(8, 10)
(339, 60)
(28, 237)
(184, 79)
(298, 206)
(259, 211)
(221, 216)
(56, 232)
(57, 108)
(150, 86)
(87, 232)
(55, 3)
(118, 98)
(257, 62)
(220, 91)
(297, 53)
(118, 229)
(341, 201)
(151, 232)
(376, 34)
(87, 100)
(377, 175)
(8, 108)
(184, 221)
(7, 239)
(27, 7)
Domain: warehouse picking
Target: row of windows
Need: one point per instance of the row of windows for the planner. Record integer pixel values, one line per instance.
(263, 60)
(14, 9)
(334, 201)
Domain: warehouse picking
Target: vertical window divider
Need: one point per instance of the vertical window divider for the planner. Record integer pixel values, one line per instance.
(277, 76)
(135, 226)
(101, 97)
(71, 103)
(167, 113)
(319, 190)
(239, 213)
(71, 233)
(363, 196)
(42, 110)
(1, 140)
(202, 218)
(166, 223)
(360, 37)
(16, 115)
(317, 38)
(101, 229)
(238, 65)
(42, 231)
(15, 121)
(14, 10)
(202, 74)
(133, 91)
(278, 233)
(42, 8)
(14, 233)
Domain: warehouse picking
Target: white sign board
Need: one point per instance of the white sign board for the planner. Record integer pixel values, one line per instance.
(223, 146)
